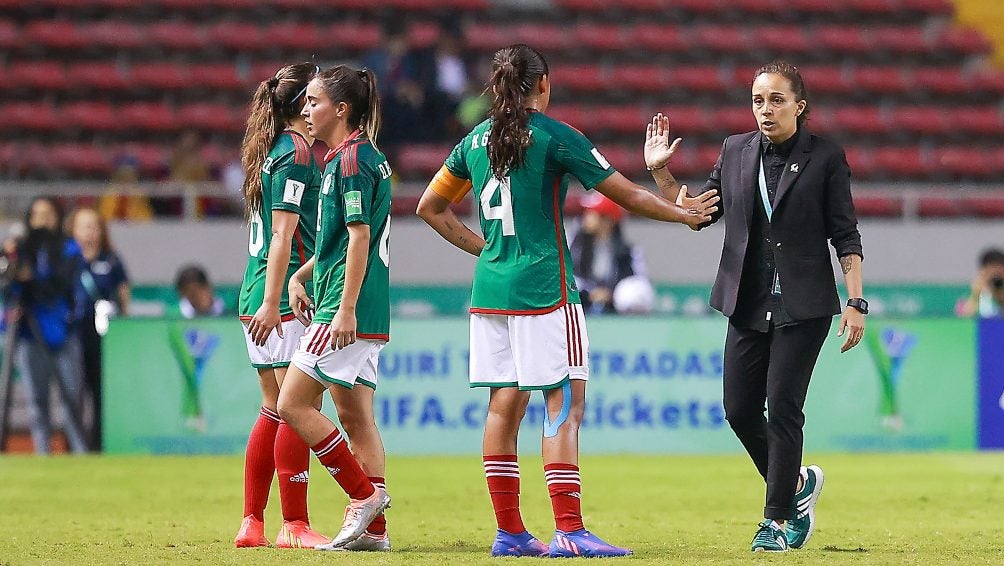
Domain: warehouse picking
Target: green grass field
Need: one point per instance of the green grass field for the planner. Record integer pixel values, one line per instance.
(875, 509)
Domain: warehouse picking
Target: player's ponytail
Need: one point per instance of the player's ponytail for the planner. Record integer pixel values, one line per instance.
(358, 89)
(275, 103)
(515, 72)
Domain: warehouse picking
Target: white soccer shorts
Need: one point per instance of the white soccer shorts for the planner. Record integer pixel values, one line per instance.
(277, 352)
(529, 351)
(355, 363)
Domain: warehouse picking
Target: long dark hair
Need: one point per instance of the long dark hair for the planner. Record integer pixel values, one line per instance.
(515, 72)
(790, 72)
(274, 104)
(358, 89)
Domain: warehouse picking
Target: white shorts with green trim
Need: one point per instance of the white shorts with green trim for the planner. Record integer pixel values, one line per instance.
(277, 352)
(355, 363)
(531, 351)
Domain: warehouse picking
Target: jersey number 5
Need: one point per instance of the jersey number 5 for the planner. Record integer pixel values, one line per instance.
(503, 211)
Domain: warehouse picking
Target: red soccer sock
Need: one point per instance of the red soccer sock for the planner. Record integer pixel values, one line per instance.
(502, 473)
(379, 525)
(565, 487)
(334, 454)
(259, 463)
(292, 462)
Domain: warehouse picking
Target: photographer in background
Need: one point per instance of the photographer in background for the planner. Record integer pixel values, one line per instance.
(986, 300)
(43, 296)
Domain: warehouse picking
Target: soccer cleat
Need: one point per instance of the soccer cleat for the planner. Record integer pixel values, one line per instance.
(251, 533)
(358, 515)
(769, 538)
(583, 544)
(370, 542)
(522, 544)
(298, 534)
(799, 529)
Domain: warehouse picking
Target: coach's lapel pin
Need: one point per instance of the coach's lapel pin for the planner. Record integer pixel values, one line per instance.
(794, 167)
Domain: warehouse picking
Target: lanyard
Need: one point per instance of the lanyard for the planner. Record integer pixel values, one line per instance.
(763, 192)
(767, 208)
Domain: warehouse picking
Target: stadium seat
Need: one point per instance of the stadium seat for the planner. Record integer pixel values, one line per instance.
(640, 78)
(961, 162)
(177, 35)
(216, 76)
(929, 7)
(898, 163)
(721, 38)
(861, 161)
(823, 79)
(866, 120)
(900, 40)
(423, 35)
(422, 159)
(82, 158)
(208, 116)
(925, 120)
(940, 207)
(661, 38)
(485, 36)
(841, 40)
(31, 116)
(577, 77)
(963, 40)
(10, 36)
(103, 75)
(114, 34)
(979, 120)
(986, 207)
(734, 119)
(866, 205)
(788, 39)
(47, 75)
(358, 36)
(940, 81)
(55, 34)
(239, 36)
(547, 37)
(92, 115)
(601, 37)
(882, 80)
(160, 76)
(152, 158)
(293, 35)
(153, 116)
(698, 78)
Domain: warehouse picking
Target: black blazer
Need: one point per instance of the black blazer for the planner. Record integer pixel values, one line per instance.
(812, 205)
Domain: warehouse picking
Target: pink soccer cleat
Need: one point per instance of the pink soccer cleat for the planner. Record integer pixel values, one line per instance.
(251, 533)
(298, 534)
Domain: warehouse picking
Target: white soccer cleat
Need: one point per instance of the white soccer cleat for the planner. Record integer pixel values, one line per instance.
(358, 515)
(370, 542)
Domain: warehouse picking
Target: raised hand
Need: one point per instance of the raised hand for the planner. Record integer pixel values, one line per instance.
(658, 150)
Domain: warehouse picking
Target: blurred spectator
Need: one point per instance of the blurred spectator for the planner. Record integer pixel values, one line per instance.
(43, 297)
(187, 164)
(107, 291)
(124, 198)
(986, 299)
(603, 258)
(197, 295)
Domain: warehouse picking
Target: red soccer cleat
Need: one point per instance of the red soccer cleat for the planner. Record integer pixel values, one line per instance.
(251, 533)
(297, 534)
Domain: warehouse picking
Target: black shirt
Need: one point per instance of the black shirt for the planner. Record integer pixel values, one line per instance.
(757, 306)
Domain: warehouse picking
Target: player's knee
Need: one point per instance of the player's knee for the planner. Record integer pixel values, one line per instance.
(354, 421)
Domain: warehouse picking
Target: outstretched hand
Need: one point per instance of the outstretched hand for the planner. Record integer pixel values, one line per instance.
(698, 209)
(658, 150)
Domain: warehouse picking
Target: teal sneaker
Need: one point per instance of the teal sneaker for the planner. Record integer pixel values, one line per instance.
(799, 529)
(769, 538)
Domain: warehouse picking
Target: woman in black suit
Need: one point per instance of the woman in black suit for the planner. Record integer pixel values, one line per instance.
(785, 192)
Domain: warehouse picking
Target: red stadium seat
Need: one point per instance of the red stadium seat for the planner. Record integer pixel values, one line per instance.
(300, 36)
(114, 34)
(734, 119)
(601, 37)
(705, 159)
(985, 120)
(930, 7)
(941, 81)
(962, 162)
(573, 114)
(422, 159)
(10, 36)
(55, 34)
(964, 40)
(485, 36)
(642, 78)
(826, 79)
(759, 8)
(178, 35)
(47, 75)
(900, 39)
(81, 158)
(159, 76)
(860, 120)
(686, 120)
(926, 120)
(239, 36)
(883, 206)
(357, 36)
(782, 38)
(861, 161)
(842, 39)
(940, 207)
(98, 116)
(549, 37)
(207, 116)
(871, 7)
(101, 76)
(884, 80)
(155, 116)
(221, 76)
(32, 116)
(986, 207)
(578, 77)
(721, 39)
(152, 158)
(902, 162)
(264, 71)
(661, 38)
(422, 35)
(626, 119)
(697, 78)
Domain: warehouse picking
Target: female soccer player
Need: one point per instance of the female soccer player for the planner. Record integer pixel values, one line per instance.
(527, 329)
(280, 189)
(350, 275)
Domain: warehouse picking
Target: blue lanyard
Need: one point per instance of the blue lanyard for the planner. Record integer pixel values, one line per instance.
(763, 192)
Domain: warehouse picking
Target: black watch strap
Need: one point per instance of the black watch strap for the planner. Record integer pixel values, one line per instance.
(858, 303)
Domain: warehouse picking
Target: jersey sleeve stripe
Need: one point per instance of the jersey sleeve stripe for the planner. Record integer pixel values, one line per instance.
(300, 251)
(302, 155)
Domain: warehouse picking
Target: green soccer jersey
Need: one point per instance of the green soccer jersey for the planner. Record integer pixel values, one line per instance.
(526, 267)
(290, 180)
(355, 188)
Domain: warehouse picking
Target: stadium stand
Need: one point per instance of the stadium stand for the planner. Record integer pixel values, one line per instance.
(114, 76)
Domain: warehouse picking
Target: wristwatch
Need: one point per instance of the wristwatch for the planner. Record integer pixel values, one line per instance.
(858, 303)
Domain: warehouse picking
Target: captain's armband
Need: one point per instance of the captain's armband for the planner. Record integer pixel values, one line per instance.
(449, 186)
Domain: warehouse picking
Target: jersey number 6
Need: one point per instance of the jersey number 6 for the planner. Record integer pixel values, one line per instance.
(503, 211)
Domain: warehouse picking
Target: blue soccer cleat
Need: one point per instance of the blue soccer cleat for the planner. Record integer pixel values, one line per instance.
(522, 544)
(583, 544)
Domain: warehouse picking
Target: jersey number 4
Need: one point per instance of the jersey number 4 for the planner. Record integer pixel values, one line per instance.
(503, 211)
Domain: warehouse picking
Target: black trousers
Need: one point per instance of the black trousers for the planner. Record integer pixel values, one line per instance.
(770, 371)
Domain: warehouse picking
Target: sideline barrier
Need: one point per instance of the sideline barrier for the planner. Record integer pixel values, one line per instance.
(177, 386)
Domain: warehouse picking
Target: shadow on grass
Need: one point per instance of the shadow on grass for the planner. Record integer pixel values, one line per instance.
(831, 548)
(457, 546)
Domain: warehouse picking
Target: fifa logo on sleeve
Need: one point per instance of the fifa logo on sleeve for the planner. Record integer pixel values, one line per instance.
(889, 350)
(192, 349)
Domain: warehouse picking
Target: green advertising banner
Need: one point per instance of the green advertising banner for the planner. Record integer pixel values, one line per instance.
(186, 387)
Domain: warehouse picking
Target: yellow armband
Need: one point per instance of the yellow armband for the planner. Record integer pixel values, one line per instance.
(449, 186)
